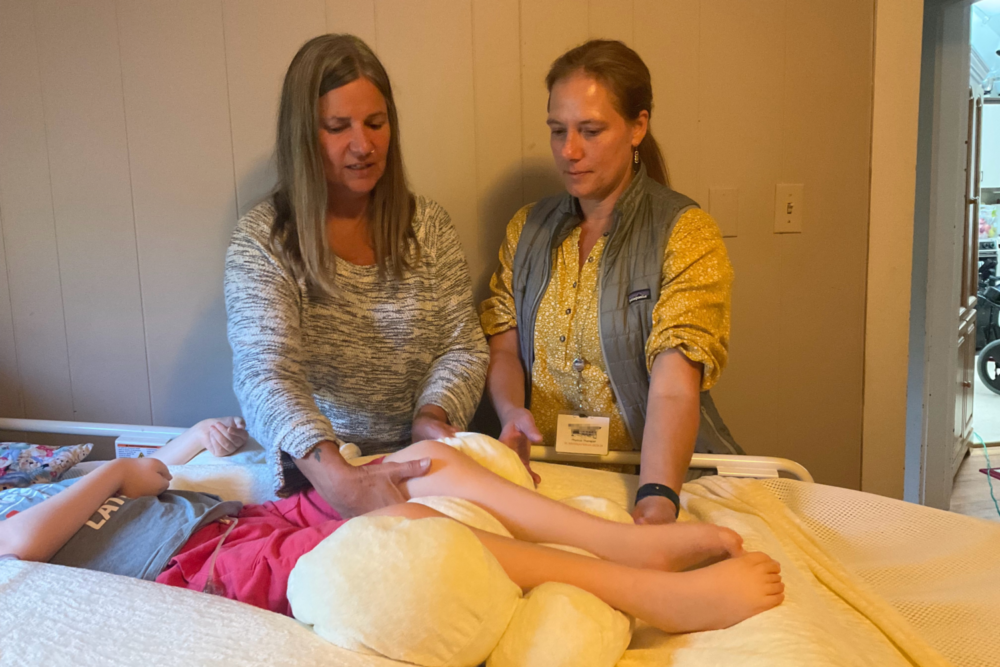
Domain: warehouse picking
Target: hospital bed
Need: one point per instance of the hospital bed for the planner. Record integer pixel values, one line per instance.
(869, 580)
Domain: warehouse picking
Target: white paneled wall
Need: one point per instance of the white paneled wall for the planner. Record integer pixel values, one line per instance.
(91, 192)
(134, 132)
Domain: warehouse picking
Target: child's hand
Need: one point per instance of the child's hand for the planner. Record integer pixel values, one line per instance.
(143, 477)
(223, 439)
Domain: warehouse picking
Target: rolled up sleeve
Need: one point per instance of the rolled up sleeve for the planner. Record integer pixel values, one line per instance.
(693, 312)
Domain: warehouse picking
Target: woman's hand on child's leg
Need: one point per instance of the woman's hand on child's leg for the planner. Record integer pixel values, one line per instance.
(143, 477)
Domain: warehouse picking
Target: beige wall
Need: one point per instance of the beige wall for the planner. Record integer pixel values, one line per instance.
(133, 133)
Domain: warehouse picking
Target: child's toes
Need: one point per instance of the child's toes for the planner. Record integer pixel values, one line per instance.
(732, 542)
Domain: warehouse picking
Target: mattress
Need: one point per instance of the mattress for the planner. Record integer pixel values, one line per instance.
(870, 581)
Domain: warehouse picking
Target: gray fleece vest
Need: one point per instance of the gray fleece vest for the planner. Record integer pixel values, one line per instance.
(628, 289)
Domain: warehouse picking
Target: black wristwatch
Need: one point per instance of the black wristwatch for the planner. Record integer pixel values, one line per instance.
(661, 490)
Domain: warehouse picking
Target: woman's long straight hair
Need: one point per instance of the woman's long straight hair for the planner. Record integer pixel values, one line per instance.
(300, 200)
(625, 75)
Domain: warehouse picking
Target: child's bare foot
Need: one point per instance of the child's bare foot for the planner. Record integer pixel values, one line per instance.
(675, 546)
(711, 598)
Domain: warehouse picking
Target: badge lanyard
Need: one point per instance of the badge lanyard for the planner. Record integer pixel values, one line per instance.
(578, 432)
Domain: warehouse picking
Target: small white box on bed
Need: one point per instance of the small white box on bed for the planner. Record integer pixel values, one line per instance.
(135, 447)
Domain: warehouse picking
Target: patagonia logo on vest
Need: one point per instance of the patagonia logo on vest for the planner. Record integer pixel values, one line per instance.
(638, 295)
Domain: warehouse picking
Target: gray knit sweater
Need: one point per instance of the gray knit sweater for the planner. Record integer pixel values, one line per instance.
(358, 364)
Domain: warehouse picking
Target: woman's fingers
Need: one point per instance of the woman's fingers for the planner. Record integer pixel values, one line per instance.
(531, 431)
(401, 471)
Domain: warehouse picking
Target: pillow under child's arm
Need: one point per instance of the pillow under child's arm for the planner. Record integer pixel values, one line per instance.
(37, 533)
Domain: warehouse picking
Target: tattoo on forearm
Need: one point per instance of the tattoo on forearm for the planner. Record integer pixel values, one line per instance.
(316, 454)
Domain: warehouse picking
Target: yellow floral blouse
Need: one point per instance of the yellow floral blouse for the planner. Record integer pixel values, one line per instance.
(691, 315)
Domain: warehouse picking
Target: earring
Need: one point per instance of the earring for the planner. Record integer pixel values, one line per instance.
(635, 156)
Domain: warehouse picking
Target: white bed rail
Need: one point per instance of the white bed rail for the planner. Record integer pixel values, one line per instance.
(727, 465)
(85, 428)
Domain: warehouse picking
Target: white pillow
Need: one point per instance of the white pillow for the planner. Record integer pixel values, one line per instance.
(421, 591)
(466, 512)
(558, 625)
(492, 455)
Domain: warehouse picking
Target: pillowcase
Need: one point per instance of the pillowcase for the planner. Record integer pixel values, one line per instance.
(22, 464)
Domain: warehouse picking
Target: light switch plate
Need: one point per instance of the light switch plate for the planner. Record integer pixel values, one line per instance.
(788, 204)
(723, 205)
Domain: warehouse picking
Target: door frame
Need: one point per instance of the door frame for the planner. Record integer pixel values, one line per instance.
(895, 114)
(939, 203)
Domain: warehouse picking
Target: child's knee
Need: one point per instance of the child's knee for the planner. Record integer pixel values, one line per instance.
(434, 450)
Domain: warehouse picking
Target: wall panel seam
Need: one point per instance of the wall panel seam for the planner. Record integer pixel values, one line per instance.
(520, 87)
(229, 108)
(52, 205)
(475, 133)
(135, 227)
(868, 234)
(13, 329)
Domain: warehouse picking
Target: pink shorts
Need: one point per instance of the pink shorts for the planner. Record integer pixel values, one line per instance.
(258, 553)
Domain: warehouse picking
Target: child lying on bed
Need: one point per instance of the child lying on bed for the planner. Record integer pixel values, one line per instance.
(121, 519)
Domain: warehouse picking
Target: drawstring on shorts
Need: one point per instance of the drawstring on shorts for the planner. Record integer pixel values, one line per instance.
(210, 586)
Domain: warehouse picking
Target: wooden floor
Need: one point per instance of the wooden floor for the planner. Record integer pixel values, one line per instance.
(971, 493)
(986, 412)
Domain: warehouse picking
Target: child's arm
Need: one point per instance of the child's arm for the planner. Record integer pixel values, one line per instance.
(222, 437)
(37, 533)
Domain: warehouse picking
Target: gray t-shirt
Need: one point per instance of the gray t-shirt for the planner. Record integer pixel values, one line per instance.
(134, 537)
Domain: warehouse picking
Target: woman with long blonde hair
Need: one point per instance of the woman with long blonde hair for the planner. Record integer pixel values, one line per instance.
(349, 300)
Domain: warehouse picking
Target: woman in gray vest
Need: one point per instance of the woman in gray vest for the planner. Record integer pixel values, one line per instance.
(608, 318)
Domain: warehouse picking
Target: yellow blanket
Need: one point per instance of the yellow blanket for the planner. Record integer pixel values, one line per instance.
(869, 581)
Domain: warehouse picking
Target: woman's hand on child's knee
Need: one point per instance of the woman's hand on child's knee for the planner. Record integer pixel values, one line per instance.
(143, 477)
(519, 433)
(353, 491)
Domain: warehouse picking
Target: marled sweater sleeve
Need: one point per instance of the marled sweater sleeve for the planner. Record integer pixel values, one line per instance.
(263, 306)
(456, 377)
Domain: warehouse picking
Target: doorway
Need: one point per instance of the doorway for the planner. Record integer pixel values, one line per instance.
(955, 150)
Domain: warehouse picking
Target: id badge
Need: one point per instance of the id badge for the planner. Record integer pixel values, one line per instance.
(578, 433)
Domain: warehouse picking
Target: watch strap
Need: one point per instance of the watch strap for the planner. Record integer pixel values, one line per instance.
(662, 490)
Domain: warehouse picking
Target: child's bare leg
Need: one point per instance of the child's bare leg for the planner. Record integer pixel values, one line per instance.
(222, 436)
(711, 598)
(531, 517)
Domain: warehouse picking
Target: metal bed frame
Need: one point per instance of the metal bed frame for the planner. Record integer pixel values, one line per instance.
(727, 465)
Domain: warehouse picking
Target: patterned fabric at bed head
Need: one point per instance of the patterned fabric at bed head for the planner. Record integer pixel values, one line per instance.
(22, 464)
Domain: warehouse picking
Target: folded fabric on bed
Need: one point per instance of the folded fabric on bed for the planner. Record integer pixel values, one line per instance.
(23, 464)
